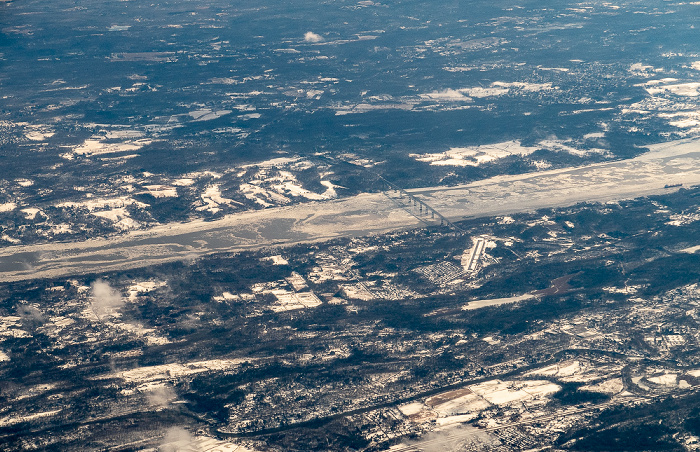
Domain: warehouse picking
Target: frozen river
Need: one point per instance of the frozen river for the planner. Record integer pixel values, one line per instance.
(669, 163)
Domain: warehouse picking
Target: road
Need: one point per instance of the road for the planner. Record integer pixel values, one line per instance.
(372, 213)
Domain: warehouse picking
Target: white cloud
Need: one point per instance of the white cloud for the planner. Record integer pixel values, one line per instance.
(453, 439)
(310, 36)
(177, 438)
(161, 396)
(104, 298)
(30, 314)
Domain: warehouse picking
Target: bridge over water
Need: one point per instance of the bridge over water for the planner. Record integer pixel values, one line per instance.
(666, 164)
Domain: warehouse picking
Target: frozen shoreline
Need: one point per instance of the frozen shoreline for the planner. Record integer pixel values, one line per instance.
(675, 162)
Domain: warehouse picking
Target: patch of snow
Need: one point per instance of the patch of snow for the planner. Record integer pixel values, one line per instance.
(468, 403)
(261, 195)
(560, 146)
(184, 182)
(144, 287)
(314, 93)
(175, 370)
(276, 162)
(577, 371)
(62, 228)
(477, 304)
(524, 86)
(500, 392)
(12, 240)
(411, 408)
(24, 182)
(667, 379)
(30, 212)
(207, 115)
(642, 70)
(612, 386)
(690, 89)
(213, 199)
(8, 207)
(38, 136)
(506, 220)
(121, 134)
(480, 91)
(624, 290)
(227, 296)
(449, 95)
(476, 155)
(691, 250)
(201, 175)
(99, 146)
(120, 217)
(14, 419)
(180, 440)
(277, 260)
(330, 189)
(458, 419)
(161, 191)
(364, 107)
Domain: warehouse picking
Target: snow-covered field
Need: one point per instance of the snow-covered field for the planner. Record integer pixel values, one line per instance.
(101, 145)
(667, 163)
(170, 371)
(611, 386)
(476, 155)
(581, 371)
(500, 392)
(12, 420)
(487, 153)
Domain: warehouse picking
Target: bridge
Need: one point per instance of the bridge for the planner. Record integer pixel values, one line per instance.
(410, 203)
(416, 206)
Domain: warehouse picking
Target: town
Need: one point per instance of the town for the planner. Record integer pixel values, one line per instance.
(511, 332)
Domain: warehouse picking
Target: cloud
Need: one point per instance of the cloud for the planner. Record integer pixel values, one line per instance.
(104, 298)
(178, 439)
(460, 438)
(161, 396)
(310, 36)
(30, 314)
(438, 442)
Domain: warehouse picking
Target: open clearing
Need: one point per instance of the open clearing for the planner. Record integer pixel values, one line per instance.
(675, 162)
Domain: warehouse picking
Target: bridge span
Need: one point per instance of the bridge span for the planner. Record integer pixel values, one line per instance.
(370, 213)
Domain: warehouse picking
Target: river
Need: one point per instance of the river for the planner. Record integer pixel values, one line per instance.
(676, 162)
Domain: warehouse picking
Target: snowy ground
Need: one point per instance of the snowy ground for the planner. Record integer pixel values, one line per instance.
(668, 163)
